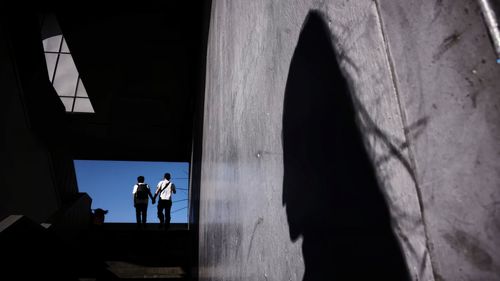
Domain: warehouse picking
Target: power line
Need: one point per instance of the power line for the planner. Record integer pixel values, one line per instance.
(178, 210)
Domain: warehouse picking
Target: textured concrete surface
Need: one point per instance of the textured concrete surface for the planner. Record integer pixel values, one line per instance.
(421, 76)
(447, 79)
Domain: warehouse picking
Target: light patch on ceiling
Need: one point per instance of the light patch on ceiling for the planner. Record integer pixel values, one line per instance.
(64, 76)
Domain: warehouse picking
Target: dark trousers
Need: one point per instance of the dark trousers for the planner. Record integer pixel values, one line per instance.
(164, 206)
(141, 211)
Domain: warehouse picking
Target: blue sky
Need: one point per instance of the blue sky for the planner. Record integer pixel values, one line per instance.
(110, 184)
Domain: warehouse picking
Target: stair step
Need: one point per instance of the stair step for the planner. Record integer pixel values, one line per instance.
(128, 270)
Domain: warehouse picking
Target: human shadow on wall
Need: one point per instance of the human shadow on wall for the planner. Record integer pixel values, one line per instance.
(330, 191)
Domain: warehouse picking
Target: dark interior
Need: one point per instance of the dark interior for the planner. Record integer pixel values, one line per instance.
(142, 72)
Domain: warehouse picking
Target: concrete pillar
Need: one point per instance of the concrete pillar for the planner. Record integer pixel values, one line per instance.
(420, 76)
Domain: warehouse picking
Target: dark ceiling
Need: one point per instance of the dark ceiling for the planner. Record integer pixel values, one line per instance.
(144, 73)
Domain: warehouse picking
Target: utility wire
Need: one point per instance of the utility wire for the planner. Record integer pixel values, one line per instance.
(178, 210)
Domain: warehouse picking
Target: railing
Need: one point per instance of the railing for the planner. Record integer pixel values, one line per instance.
(73, 218)
(32, 251)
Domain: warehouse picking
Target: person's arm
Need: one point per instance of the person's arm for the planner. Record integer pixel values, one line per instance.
(133, 193)
(151, 195)
(157, 189)
(173, 188)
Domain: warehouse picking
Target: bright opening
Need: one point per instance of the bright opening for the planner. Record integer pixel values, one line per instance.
(61, 68)
(110, 185)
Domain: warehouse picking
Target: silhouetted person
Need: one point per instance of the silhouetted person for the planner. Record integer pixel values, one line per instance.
(98, 217)
(164, 189)
(141, 192)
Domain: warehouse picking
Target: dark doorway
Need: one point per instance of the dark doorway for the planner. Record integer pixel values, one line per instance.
(330, 190)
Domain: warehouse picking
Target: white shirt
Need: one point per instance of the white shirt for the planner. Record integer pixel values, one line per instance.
(166, 187)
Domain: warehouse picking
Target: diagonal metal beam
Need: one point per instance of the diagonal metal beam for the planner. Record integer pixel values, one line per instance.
(491, 12)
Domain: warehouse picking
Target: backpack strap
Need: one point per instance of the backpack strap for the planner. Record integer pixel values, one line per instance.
(136, 190)
(165, 187)
(139, 184)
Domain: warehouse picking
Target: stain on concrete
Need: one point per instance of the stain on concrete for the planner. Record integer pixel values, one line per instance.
(417, 128)
(493, 227)
(438, 277)
(231, 153)
(419, 124)
(257, 223)
(473, 97)
(423, 263)
(471, 83)
(447, 43)
(470, 247)
(438, 7)
(237, 241)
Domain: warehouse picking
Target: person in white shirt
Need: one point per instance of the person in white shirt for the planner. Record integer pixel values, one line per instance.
(141, 192)
(164, 189)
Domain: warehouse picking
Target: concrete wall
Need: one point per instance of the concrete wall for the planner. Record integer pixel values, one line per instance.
(421, 80)
(447, 79)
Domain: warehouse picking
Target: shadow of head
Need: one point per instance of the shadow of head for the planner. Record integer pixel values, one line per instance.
(330, 191)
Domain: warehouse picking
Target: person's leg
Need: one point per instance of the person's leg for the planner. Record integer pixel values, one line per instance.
(161, 206)
(144, 214)
(167, 213)
(138, 215)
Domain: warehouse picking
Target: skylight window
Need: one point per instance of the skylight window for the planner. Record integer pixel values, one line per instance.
(62, 71)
